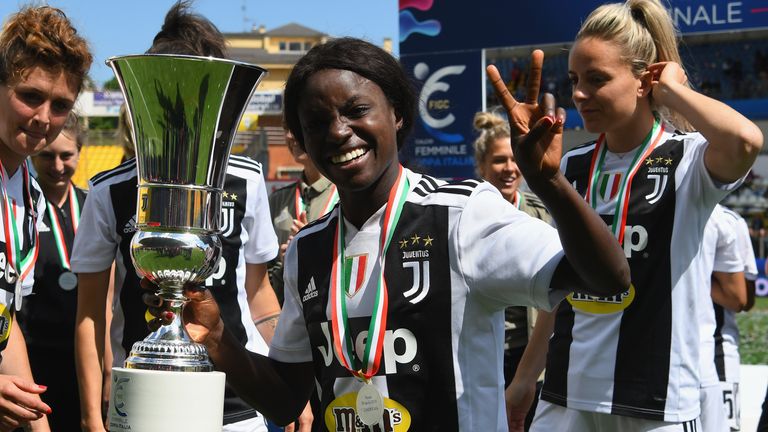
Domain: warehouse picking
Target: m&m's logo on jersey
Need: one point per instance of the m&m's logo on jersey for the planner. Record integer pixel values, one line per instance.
(340, 416)
(5, 322)
(602, 305)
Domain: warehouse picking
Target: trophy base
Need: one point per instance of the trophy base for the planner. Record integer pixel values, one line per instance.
(147, 400)
(176, 356)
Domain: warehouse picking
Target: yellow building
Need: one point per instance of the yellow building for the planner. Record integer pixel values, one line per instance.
(276, 50)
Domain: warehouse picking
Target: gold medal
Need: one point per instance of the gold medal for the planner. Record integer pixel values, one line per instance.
(370, 405)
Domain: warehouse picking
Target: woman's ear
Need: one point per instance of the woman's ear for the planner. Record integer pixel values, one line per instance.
(646, 84)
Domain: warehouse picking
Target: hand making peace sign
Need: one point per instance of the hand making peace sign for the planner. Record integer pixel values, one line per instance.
(537, 128)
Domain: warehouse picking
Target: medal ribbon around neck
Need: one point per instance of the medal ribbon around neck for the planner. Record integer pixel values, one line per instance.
(58, 232)
(342, 339)
(300, 207)
(518, 200)
(12, 235)
(333, 198)
(596, 169)
(298, 203)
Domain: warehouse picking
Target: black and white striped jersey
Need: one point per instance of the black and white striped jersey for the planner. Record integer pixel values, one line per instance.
(459, 255)
(108, 223)
(727, 359)
(637, 354)
(27, 221)
(720, 250)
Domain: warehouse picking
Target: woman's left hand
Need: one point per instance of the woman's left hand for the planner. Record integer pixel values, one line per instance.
(663, 76)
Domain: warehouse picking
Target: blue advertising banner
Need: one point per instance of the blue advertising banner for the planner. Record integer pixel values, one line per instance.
(442, 25)
(761, 284)
(448, 88)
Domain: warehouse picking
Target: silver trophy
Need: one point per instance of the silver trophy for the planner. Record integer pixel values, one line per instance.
(185, 111)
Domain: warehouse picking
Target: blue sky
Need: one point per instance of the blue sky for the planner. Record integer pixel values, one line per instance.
(117, 27)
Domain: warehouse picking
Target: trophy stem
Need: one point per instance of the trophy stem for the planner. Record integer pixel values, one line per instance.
(170, 347)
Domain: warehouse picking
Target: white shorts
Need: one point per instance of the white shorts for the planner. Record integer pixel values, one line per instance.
(732, 406)
(712, 410)
(550, 417)
(253, 424)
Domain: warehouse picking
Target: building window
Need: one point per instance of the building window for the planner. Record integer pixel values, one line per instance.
(307, 46)
(282, 46)
(294, 46)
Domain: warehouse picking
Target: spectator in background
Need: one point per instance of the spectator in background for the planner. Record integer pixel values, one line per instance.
(43, 62)
(48, 317)
(293, 206)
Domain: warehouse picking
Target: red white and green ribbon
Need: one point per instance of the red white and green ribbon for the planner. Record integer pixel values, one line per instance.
(625, 186)
(518, 201)
(300, 207)
(14, 261)
(333, 198)
(343, 344)
(298, 203)
(58, 231)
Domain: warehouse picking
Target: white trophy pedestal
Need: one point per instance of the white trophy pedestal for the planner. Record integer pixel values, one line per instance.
(149, 400)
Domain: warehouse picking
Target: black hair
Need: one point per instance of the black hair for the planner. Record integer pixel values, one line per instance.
(362, 58)
(185, 32)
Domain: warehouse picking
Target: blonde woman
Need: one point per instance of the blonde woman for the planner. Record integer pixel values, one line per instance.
(631, 362)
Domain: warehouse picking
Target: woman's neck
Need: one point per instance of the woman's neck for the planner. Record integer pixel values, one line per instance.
(56, 195)
(11, 161)
(359, 206)
(631, 136)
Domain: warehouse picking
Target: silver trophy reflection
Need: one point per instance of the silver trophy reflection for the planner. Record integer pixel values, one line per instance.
(185, 111)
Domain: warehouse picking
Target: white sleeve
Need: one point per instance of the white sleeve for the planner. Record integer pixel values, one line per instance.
(291, 343)
(262, 244)
(506, 255)
(95, 242)
(727, 255)
(746, 252)
(700, 183)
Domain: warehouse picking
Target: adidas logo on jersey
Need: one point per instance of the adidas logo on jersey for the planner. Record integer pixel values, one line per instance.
(130, 226)
(310, 292)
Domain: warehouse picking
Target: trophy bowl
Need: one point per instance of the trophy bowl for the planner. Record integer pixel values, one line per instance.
(184, 112)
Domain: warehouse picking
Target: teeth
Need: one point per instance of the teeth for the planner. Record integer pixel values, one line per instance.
(346, 157)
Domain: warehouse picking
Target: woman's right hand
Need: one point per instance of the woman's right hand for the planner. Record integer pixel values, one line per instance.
(20, 402)
(201, 314)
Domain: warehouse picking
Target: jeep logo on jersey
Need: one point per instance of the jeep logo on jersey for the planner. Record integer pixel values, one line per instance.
(404, 339)
(602, 305)
(340, 416)
(635, 239)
